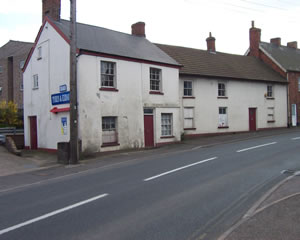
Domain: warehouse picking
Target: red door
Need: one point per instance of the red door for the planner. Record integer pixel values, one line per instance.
(33, 132)
(148, 131)
(252, 119)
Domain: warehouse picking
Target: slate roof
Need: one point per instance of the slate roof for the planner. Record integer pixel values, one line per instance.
(102, 40)
(288, 58)
(203, 63)
(15, 48)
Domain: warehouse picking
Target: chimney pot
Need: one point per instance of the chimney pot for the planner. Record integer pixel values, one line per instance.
(276, 41)
(138, 29)
(51, 8)
(252, 24)
(211, 43)
(292, 44)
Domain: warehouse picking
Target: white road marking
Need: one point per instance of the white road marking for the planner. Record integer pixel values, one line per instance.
(296, 138)
(259, 146)
(52, 214)
(178, 169)
(195, 148)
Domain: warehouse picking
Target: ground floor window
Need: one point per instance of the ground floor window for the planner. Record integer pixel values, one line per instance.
(166, 124)
(223, 118)
(271, 115)
(188, 114)
(109, 130)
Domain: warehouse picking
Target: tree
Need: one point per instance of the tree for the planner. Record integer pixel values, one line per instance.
(9, 113)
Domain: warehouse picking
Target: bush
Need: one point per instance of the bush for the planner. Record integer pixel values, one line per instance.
(9, 114)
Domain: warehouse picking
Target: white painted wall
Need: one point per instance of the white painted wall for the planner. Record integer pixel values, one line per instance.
(241, 97)
(53, 71)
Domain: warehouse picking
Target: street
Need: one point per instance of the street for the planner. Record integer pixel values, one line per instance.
(195, 193)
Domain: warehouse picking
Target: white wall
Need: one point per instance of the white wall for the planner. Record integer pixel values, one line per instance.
(53, 71)
(242, 95)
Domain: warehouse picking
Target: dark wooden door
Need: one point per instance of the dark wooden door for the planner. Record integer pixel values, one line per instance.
(33, 133)
(252, 119)
(148, 131)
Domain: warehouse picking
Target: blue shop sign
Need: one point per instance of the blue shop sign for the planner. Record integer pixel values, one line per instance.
(63, 88)
(60, 98)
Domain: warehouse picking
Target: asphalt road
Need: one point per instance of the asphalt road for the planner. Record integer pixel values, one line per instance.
(190, 194)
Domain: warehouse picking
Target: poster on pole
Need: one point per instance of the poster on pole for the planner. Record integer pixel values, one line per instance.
(64, 126)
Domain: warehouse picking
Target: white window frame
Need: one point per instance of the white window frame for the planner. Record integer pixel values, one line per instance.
(109, 130)
(187, 91)
(271, 114)
(166, 124)
(35, 82)
(222, 92)
(270, 91)
(188, 116)
(155, 75)
(223, 117)
(39, 53)
(108, 74)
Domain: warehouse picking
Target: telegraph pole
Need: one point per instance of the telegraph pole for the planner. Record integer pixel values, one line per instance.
(74, 154)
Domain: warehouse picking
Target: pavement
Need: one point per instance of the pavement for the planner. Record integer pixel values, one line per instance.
(275, 216)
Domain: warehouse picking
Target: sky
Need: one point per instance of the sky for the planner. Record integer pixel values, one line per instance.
(175, 22)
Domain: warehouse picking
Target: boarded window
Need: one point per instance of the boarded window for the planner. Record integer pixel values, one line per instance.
(35, 81)
(188, 113)
(271, 114)
(109, 130)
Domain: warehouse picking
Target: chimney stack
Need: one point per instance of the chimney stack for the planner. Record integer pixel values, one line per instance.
(51, 8)
(254, 35)
(292, 44)
(276, 41)
(211, 43)
(138, 29)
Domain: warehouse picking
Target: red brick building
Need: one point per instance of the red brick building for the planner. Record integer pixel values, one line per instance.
(286, 61)
(12, 58)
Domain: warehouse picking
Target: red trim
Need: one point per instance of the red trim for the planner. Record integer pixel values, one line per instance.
(164, 137)
(106, 55)
(38, 37)
(220, 97)
(156, 93)
(57, 110)
(189, 128)
(220, 127)
(110, 144)
(186, 97)
(108, 89)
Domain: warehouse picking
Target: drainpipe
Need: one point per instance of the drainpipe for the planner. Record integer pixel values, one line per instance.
(288, 102)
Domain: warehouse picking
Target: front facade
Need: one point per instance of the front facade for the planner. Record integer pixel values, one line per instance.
(286, 61)
(225, 93)
(124, 101)
(12, 58)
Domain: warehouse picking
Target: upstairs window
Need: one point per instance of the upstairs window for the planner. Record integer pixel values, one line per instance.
(155, 79)
(35, 81)
(108, 74)
(299, 84)
(187, 88)
(221, 90)
(39, 53)
(269, 91)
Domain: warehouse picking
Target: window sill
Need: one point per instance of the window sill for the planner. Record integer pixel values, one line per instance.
(164, 137)
(270, 98)
(220, 97)
(189, 128)
(36, 88)
(188, 97)
(271, 121)
(109, 89)
(221, 127)
(156, 93)
(110, 144)
(39, 58)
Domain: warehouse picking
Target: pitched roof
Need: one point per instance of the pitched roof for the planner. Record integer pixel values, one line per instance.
(204, 63)
(15, 48)
(102, 40)
(288, 58)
